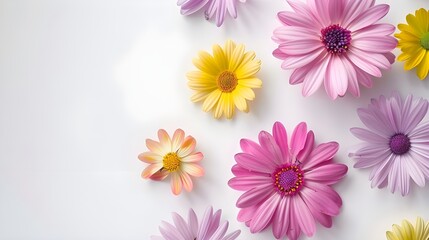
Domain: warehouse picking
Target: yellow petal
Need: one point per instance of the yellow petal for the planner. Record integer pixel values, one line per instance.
(199, 76)
(408, 37)
(250, 82)
(229, 105)
(423, 67)
(248, 57)
(423, 19)
(229, 49)
(211, 100)
(398, 231)
(240, 102)
(415, 59)
(236, 58)
(245, 92)
(407, 230)
(199, 96)
(220, 58)
(220, 107)
(413, 22)
(193, 169)
(202, 85)
(404, 56)
(249, 70)
(187, 146)
(391, 236)
(420, 228)
(408, 28)
(206, 63)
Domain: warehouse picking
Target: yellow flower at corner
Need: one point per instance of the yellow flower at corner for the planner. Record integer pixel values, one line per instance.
(225, 79)
(414, 42)
(409, 232)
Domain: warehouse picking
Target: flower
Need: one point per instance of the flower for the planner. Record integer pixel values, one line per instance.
(211, 8)
(175, 157)
(225, 79)
(209, 228)
(287, 185)
(414, 42)
(395, 143)
(335, 42)
(409, 232)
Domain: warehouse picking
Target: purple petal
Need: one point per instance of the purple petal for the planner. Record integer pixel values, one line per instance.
(369, 17)
(323, 152)
(327, 174)
(193, 222)
(368, 136)
(281, 218)
(280, 135)
(253, 163)
(182, 226)
(414, 170)
(298, 139)
(264, 214)
(248, 182)
(308, 148)
(304, 217)
(255, 195)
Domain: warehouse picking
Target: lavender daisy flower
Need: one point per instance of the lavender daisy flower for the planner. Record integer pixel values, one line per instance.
(210, 228)
(396, 143)
(212, 8)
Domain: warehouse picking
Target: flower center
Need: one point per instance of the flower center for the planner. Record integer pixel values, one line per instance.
(171, 162)
(399, 144)
(288, 180)
(336, 39)
(227, 81)
(424, 41)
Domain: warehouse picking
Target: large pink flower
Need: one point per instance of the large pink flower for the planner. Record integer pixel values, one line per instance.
(287, 185)
(335, 42)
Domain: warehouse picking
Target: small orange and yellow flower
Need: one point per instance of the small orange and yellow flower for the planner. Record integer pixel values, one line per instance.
(225, 80)
(172, 156)
(414, 42)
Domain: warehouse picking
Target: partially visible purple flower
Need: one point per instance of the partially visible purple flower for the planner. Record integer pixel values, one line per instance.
(212, 8)
(210, 227)
(396, 143)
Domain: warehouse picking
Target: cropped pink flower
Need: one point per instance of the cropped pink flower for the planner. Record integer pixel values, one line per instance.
(287, 184)
(335, 42)
(212, 8)
(175, 157)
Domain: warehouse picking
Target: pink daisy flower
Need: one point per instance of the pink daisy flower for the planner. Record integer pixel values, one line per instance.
(396, 143)
(210, 228)
(172, 156)
(287, 184)
(212, 8)
(335, 42)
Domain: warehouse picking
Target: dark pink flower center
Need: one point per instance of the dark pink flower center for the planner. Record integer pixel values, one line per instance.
(336, 39)
(399, 144)
(288, 180)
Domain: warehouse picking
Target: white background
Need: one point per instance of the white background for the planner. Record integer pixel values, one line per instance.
(83, 83)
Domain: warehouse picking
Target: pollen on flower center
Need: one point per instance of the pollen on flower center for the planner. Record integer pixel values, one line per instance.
(399, 144)
(171, 162)
(336, 39)
(424, 41)
(288, 180)
(227, 81)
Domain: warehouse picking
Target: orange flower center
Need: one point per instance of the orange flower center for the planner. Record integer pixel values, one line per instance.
(171, 162)
(227, 81)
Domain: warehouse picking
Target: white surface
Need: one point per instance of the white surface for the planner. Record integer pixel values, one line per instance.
(83, 83)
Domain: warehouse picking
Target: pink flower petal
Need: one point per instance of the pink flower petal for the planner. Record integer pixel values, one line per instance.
(308, 147)
(182, 226)
(314, 207)
(378, 30)
(150, 157)
(363, 63)
(187, 147)
(304, 217)
(156, 147)
(324, 191)
(304, 11)
(336, 81)
(195, 157)
(176, 183)
(322, 153)
(353, 10)
(264, 214)
(414, 170)
(164, 138)
(159, 175)
(281, 218)
(315, 77)
(246, 214)
(353, 82)
(298, 75)
(205, 223)
(280, 135)
(169, 232)
(320, 202)
(259, 154)
(151, 169)
(327, 174)
(371, 16)
(300, 47)
(299, 136)
(297, 61)
(294, 230)
(193, 169)
(191, 6)
(255, 195)
(186, 181)
(177, 139)
(268, 143)
(370, 155)
(293, 19)
(417, 113)
(368, 136)
(336, 10)
(254, 163)
(193, 222)
(375, 44)
(248, 182)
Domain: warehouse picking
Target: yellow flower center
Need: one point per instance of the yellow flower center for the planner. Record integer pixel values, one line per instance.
(424, 41)
(227, 81)
(171, 162)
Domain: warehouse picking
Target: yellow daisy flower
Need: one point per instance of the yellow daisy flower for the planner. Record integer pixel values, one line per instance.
(408, 232)
(414, 42)
(225, 79)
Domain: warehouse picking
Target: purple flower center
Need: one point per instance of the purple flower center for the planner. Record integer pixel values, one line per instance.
(399, 144)
(288, 180)
(336, 39)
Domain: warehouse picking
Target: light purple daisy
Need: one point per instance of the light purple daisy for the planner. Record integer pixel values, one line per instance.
(396, 143)
(212, 8)
(210, 227)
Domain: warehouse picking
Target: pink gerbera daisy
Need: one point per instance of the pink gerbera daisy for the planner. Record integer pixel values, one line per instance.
(396, 143)
(287, 185)
(175, 157)
(210, 228)
(335, 42)
(212, 8)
